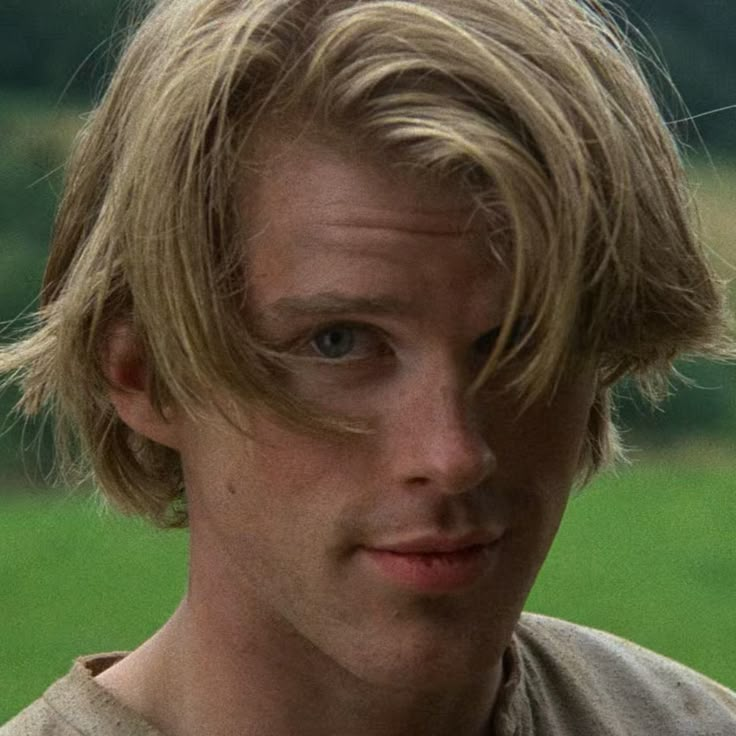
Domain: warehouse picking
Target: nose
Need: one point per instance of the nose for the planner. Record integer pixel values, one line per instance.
(438, 441)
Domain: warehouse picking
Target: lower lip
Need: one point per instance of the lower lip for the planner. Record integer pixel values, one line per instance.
(443, 572)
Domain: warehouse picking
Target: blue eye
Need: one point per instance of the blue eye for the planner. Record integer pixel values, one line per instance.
(335, 343)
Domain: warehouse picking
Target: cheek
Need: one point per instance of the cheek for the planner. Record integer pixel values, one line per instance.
(548, 438)
(296, 462)
(273, 479)
(539, 455)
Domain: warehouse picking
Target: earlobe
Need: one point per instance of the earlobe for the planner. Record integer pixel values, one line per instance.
(127, 373)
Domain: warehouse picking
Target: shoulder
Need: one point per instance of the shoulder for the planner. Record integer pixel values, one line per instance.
(616, 685)
(77, 705)
(38, 719)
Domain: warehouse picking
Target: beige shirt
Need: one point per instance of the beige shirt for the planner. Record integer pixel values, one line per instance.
(562, 680)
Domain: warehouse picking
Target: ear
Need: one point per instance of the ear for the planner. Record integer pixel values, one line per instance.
(128, 374)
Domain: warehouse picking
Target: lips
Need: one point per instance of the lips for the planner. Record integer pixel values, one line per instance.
(434, 544)
(433, 564)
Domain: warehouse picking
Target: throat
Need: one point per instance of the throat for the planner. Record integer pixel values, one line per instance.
(185, 681)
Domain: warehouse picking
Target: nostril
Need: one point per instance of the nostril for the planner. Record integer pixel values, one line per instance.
(438, 441)
(453, 468)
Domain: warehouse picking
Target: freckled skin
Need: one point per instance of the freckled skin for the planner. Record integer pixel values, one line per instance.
(278, 586)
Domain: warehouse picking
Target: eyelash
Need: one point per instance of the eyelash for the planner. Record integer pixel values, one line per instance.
(479, 346)
(361, 329)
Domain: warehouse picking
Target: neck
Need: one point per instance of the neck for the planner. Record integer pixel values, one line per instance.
(203, 675)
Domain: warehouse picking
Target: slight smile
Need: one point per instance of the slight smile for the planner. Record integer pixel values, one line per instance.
(433, 564)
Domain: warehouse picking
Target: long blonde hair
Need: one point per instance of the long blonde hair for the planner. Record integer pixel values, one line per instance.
(536, 108)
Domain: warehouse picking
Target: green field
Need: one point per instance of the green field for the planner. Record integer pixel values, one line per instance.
(649, 555)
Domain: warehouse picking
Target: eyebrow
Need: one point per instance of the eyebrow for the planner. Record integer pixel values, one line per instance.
(332, 304)
(335, 304)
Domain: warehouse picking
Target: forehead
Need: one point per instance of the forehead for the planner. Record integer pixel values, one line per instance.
(318, 211)
(305, 172)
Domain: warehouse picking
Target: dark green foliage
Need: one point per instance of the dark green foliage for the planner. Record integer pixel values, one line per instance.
(697, 41)
(34, 139)
(52, 46)
(701, 408)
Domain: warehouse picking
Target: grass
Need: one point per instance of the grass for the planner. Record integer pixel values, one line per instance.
(648, 555)
(73, 582)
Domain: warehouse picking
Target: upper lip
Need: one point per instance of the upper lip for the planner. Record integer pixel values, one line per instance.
(434, 543)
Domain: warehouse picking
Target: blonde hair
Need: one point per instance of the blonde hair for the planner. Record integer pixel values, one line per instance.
(536, 108)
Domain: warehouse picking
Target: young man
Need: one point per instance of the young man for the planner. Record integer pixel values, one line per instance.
(345, 286)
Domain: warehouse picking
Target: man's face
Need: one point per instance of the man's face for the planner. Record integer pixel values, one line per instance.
(406, 554)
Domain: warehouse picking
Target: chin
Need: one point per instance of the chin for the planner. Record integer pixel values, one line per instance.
(423, 657)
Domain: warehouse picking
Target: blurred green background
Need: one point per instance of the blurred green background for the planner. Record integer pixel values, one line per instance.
(648, 554)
